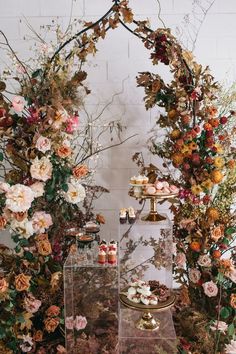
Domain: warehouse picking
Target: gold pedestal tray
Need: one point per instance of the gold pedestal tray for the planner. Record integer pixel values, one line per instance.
(153, 214)
(147, 322)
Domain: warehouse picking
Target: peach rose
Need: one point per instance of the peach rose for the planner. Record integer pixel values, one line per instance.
(53, 311)
(44, 247)
(43, 144)
(41, 237)
(3, 285)
(64, 151)
(80, 171)
(217, 233)
(22, 282)
(38, 336)
(41, 169)
(233, 301)
(51, 324)
(3, 222)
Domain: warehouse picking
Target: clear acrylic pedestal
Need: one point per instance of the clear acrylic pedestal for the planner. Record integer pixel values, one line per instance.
(91, 307)
(146, 251)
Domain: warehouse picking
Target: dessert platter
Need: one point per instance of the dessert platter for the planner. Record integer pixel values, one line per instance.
(158, 190)
(148, 297)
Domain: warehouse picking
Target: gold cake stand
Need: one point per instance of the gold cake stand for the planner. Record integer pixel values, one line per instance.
(153, 214)
(147, 322)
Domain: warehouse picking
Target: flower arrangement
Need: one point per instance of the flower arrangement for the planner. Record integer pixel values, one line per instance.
(199, 143)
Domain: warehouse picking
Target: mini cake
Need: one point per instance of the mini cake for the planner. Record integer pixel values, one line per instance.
(132, 291)
(133, 180)
(139, 179)
(91, 226)
(165, 184)
(150, 190)
(101, 256)
(145, 179)
(123, 215)
(174, 189)
(112, 246)
(103, 246)
(112, 257)
(158, 185)
(131, 215)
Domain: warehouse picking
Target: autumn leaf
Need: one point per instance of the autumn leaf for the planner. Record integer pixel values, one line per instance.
(27, 321)
(127, 15)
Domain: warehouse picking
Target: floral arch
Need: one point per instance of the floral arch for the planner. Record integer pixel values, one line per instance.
(44, 184)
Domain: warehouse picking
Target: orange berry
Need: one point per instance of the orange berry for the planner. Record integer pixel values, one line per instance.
(172, 114)
(195, 246)
(216, 254)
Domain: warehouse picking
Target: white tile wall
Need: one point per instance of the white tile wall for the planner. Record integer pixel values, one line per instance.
(120, 57)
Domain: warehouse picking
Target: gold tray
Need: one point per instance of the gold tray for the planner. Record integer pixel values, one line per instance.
(147, 322)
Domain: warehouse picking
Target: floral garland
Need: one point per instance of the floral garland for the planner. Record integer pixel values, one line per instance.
(199, 144)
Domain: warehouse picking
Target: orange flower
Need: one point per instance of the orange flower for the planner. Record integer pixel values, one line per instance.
(22, 282)
(51, 324)
(3, 222)
(38, 336)
(100, 219)
(172, 114)
(213, 214)
(196, 189)
(3, 285)
(53, 311)
(211, 111)
(177, 158)
(207, 126)
(214, 122)
(193, 146)
(175, 134)
(195, 246)
(44, 247)
(216, 176)
(64, 151)
(233, 301)
(80, 171)
(186, 119)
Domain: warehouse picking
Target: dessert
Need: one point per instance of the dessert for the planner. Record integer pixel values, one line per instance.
(133, 180)
(134, 298)
(112, 257)
(91, 226)
(103, 245)
(174, 189)
(144, 299)
(131, 215)
(123, 215)
(101, 256)
(150, 190)
(139, 179)
(153, 300)
(145, 180)
(132, 291)
(112, 246)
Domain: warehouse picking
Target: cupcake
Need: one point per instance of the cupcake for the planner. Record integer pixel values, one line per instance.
(139, 179)
(101, 256)
(103, 246)
(131, 215)
(112, 246)
(145, 179)
(123, 215)
(112, 258)
(133, 180)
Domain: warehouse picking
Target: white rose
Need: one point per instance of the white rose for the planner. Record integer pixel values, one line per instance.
(38, 189)
(76, 192)
(219, 326)
(19, 198)
(231, 347)
(41, 169)
(204, 260)
(194, 275)
(23, 228)
(43, 144)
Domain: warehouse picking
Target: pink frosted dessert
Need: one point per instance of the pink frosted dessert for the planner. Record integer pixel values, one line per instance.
(174, 189)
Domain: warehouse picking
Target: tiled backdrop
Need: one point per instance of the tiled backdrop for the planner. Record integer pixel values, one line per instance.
(120, 57)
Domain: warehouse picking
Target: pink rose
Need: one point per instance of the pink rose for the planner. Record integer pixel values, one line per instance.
(72, 124)
(41, 221)
(18, 103)
(180, 260)
(210, 288)
(80, 322)
(69, 322)
(204, 260)
(41, 169)
(194, 275)
(19, 198)
(43, 144)
(219, 326)
(31, 304)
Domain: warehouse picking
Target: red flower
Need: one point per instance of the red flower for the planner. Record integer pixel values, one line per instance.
(206, 199)
(207, 126)
(223, 120)
(196, 159)
(209, 133)
(221, 137)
